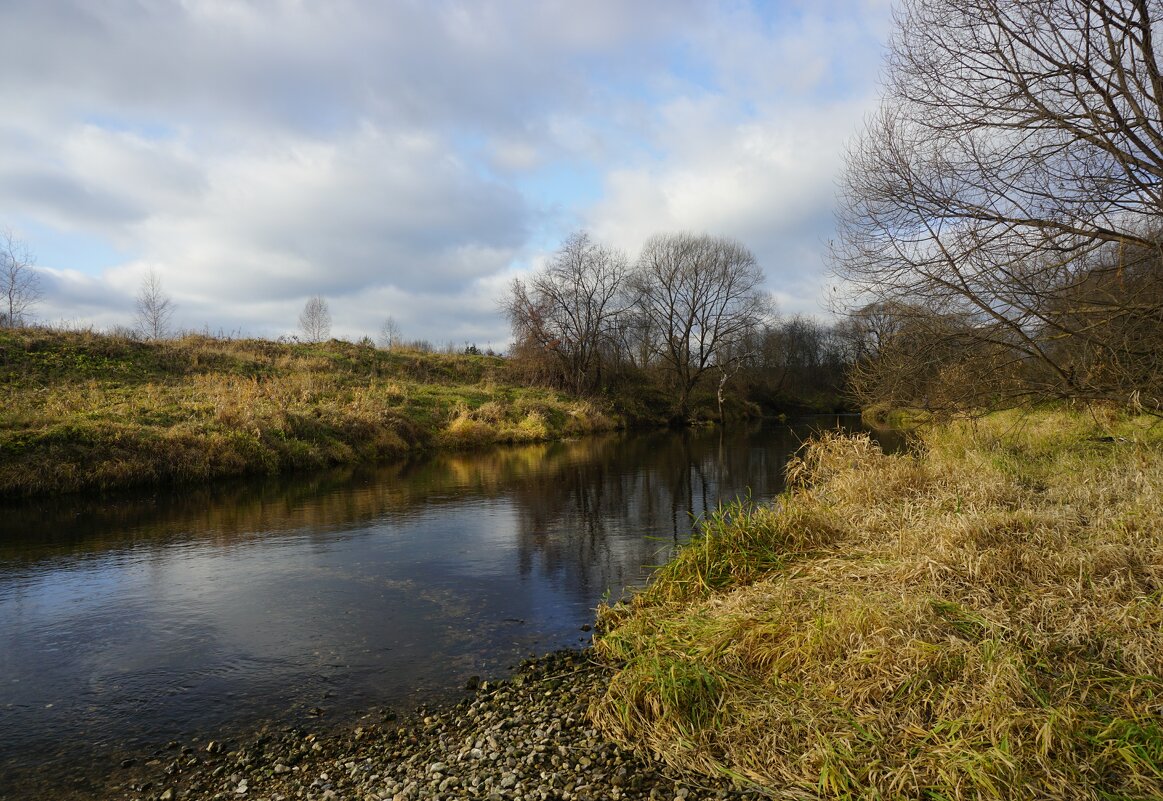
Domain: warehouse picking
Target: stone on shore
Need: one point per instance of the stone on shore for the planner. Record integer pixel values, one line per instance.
(525, 739)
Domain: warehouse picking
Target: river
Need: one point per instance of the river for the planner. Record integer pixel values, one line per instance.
(132, 619)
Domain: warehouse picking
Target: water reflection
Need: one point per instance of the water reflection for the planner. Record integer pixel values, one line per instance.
(139, 618)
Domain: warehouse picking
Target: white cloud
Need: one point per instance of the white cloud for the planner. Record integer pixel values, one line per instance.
(768, 183)
(514, 155)
(298, 217)
(407, 158)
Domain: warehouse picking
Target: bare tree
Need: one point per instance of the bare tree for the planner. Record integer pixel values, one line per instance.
(868, 330)
(20, 287)
(1016, 160)
(634, 340)
(154, 307)
(390, 333)
(702, 296)
(798, 361)
(315, 320)
(568, 308)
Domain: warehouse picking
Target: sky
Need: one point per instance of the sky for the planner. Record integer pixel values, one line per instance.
(410, 158)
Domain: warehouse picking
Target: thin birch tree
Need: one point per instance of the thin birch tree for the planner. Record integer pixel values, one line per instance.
(20, 285)
(154, 307)
(315, 319)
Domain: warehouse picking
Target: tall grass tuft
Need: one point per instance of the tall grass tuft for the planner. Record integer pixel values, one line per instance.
(981, 618)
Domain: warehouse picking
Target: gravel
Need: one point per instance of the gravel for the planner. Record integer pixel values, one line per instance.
(524, 739)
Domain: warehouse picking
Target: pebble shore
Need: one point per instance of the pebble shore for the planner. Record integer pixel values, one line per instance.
(523, 739)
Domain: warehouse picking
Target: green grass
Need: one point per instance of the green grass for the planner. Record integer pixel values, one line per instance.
(89, 411)
(981, 618)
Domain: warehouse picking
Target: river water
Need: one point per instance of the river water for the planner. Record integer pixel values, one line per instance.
(132, 619)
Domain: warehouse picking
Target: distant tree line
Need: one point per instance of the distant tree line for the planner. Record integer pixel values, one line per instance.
(686, 324)
(689, 315)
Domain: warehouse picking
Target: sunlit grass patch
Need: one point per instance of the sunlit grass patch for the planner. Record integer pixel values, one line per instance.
(982, 618)
(83, 410)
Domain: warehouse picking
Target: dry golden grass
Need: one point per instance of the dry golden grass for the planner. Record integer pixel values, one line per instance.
(981, 619)
(80, 410)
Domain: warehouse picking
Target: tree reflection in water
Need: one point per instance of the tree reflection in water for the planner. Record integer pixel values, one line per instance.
(151, 615)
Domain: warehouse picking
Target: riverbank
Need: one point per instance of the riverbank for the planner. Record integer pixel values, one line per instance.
(86, 411)
(524, 738)
(979, 618)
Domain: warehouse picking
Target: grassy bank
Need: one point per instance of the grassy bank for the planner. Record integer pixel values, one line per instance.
(980, 619)
(80, 410)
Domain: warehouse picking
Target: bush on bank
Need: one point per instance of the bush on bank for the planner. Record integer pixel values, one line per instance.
(980, 618)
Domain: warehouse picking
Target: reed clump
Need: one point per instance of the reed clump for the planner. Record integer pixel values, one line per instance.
(979, 618)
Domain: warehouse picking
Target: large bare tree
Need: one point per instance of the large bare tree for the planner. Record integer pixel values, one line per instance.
(1013, 180)
(702, 296)
(154, 307)
(568, 308)
(20, 286)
